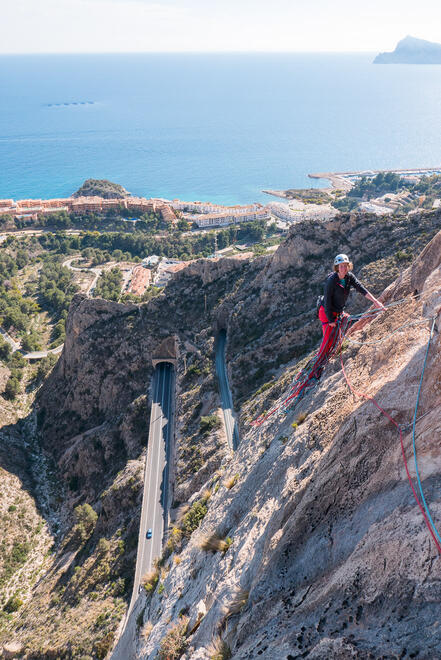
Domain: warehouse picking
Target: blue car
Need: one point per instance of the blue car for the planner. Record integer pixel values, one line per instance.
(149, 534)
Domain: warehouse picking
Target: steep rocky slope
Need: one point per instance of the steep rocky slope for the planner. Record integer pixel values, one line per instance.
(330, 557)
(92, 417)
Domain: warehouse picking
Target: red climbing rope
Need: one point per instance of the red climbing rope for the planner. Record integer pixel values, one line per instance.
(395, 423)
(311, 372)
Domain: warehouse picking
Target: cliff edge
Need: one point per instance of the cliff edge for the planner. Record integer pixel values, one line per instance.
(326, 553)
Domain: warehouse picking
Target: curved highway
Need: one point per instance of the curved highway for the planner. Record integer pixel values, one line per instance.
(226, 398)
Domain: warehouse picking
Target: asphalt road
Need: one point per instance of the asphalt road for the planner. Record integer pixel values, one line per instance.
(226, 398)
(154, 513)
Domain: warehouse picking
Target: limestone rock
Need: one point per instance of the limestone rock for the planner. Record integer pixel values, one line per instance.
(12, 650)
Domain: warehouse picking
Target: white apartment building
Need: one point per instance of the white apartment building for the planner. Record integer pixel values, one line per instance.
(311, 212)
(228, 218)
(208, 207)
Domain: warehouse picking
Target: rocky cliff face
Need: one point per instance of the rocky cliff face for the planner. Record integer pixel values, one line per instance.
(328, 555)
(287, 501)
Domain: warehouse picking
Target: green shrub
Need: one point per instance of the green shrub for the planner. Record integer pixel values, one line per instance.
(208, 424)
(193, 518)
(103, 547)
(13, 604)
(86, 521)
(45, 365)
(12, 388)
(5, 350)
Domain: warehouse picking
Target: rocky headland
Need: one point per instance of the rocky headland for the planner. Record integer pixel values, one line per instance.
(412, 51)
(101, 188)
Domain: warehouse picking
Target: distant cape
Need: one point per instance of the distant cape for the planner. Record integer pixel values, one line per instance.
(412, 51)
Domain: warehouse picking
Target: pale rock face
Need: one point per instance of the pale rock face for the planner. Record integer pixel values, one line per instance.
(12, 650)
(211, 269)
(330, 551)
(321, 517)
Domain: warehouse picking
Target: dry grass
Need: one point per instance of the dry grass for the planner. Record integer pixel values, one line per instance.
(237, 603)
(150, 580)
(215, 543)
(147, 629)
(183, 509)
(232, 481)
(301, 418)
(219, 650)
(174, 642)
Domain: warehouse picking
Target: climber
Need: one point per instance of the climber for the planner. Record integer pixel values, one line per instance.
(337, 287)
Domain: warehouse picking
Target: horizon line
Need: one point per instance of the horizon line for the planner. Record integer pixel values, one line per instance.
(196, 52)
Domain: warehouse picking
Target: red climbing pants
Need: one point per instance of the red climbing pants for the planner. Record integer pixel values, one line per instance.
(328, 333)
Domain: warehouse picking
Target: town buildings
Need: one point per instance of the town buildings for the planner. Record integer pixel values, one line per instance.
(141, 279)
(33, 208)
(203, 214)
(229, 216)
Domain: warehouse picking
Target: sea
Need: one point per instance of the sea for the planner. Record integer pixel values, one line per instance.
(210, 127)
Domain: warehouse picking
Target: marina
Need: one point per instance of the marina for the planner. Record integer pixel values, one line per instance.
(345, 180)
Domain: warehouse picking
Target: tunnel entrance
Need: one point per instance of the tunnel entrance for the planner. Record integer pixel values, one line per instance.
(167, 351)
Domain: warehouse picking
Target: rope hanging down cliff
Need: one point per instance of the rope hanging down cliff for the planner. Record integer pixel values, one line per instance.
(423, 507)
(310, 374)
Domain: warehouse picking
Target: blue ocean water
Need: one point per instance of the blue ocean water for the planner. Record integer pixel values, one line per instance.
(209, 127)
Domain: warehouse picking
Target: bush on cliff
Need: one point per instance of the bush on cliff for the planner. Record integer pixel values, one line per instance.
(86, 520)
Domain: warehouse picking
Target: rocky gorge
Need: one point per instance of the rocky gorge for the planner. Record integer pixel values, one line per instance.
(328, 556)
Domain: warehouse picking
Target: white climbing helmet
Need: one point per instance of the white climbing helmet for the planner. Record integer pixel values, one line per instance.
(341, 259)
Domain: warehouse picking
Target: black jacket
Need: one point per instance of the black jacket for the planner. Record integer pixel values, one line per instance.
(336, 296)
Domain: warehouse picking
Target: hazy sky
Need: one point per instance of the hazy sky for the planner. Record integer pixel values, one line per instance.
(42, 26)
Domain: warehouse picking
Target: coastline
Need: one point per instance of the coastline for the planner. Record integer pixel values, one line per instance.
(343, 180)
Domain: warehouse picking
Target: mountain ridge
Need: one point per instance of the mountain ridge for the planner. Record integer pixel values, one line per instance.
(93, 409)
